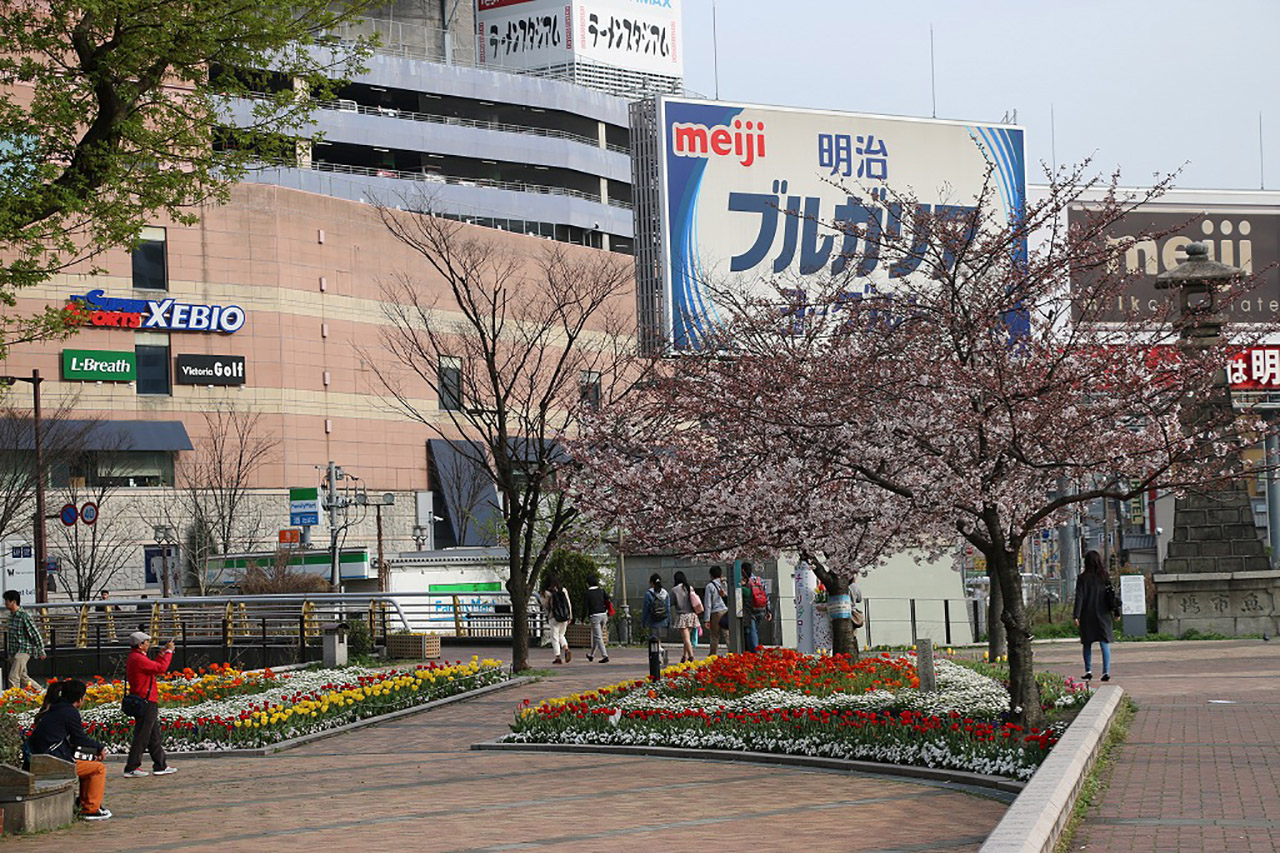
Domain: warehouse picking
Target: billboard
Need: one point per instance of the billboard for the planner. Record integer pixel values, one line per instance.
(210, 370)
(1247, 236)
(634, 35)
(94, 365)
(729, 174)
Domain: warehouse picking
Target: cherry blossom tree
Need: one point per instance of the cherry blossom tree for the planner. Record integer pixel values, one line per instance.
(855, 417)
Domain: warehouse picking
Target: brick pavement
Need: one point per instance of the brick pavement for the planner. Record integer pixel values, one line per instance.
(413, 784)
(1194, 774)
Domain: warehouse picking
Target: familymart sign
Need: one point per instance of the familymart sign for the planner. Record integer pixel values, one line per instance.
(92, 365)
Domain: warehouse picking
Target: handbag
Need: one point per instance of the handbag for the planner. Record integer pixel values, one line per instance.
(856, 617)
(133, 705)
(695, 602)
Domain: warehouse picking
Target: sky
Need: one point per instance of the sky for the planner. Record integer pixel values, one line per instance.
(1146, 86)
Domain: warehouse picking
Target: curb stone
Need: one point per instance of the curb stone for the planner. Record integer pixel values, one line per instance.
(343, 729)
(1037, 817)
(992, 786)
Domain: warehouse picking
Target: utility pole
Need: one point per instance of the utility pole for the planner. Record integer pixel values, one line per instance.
(335, 577)
(38, 528)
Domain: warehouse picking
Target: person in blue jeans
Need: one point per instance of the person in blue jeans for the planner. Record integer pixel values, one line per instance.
(753, 590)
(1094, 613)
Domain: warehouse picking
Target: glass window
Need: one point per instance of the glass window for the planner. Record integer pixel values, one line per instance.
(589, 388)
(150, 260)
(134, 468)
(153, 369)
(449, 383)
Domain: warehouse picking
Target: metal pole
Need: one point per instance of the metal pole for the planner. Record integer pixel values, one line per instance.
(42, 571)
(946, 618)
(335, 578)
(1273, 494)
(383, 575)
(913, 621)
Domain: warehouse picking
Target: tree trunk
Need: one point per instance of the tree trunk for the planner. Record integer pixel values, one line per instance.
(1024, 693)
(519, 621)
(844, 637)
(995, 615)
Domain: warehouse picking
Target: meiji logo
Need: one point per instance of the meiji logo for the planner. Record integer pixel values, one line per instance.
(746, 142)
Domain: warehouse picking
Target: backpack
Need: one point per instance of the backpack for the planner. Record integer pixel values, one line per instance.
(759, 595)
(560, 606)
(658, 609)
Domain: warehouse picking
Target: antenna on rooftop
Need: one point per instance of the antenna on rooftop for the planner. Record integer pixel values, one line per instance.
(715, 49)
(933, 77)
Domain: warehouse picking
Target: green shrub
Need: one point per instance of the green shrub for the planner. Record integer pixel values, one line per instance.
(10, 741)
(359, 640)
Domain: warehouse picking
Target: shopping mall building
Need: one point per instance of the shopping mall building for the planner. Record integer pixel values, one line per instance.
(273, 304)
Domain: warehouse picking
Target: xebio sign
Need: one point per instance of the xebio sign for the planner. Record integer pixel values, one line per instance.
(161, 315)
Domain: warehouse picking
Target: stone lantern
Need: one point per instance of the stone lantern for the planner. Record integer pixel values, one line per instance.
(1216, 576)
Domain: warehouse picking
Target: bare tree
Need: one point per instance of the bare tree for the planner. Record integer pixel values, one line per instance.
(215, 506)
(61, 435)
(517, 335)
(93, 554)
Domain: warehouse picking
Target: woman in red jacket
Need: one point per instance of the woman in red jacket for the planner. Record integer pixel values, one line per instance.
(142, 671)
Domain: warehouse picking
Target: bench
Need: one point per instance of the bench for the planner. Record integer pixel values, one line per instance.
(41, 799)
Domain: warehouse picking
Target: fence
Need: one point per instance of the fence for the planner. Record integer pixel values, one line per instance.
(258, 630)
(902, 621)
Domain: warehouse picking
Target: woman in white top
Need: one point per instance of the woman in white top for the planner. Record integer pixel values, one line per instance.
(685, 616)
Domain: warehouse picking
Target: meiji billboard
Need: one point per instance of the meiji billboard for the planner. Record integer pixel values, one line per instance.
(635, 35)
(729, 173)
(1243, 235)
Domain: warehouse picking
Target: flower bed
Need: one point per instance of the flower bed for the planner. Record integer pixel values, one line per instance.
(785, 702)
(280, 706)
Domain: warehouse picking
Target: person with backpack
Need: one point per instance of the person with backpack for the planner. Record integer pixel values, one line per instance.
(755, 604)
(599, 606)
(1096, 606)
(555, 601)
(686, 607)
(59, 731)
(715, 601)
(655, 615)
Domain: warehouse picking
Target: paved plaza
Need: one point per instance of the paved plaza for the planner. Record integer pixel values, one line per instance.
(414, 784)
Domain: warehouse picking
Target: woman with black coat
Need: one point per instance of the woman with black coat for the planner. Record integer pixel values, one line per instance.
(1094, 613)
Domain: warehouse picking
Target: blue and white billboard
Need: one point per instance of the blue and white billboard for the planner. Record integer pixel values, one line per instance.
(748, 195)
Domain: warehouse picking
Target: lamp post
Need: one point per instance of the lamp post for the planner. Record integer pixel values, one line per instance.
(42, 573)
(164, 536)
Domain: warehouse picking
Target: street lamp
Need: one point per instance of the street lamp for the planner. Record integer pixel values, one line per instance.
(164, 536)
(42, 573)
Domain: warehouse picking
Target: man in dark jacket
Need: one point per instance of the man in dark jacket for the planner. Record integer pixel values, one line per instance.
(598, 605)
(60, 733)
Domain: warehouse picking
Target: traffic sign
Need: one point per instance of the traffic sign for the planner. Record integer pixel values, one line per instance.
(69, 515)
(89, 512)
(290, 536)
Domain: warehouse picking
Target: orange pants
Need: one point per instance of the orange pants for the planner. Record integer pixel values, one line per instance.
(93, 784)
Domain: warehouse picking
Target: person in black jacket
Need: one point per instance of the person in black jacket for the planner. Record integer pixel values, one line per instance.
(598, 609)
(60, 732)
(1094, 613)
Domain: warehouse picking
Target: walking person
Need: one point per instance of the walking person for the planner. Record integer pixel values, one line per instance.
(655, 615)
(755, 604)
(1095, 608)
(598, 607)
(142, 672)
(59, 731)
(715, 601)
(22, 640)
(685, 608)
(555, 601)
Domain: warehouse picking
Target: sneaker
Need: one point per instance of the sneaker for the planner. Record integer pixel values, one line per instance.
(165, 771)
(604, 659)
(101, 814)
(557, 661)
(1088, 676)
(568, 655)
(591, 657)
(1106, 676)
(135, 774)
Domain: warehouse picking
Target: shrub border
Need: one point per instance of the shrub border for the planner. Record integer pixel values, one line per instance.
(293, 743)
(997, 787)
(1036, 819)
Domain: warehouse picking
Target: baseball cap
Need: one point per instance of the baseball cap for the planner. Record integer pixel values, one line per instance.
(137, 638)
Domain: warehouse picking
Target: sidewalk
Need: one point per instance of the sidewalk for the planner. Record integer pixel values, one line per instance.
(1195, 773)
(413, 784)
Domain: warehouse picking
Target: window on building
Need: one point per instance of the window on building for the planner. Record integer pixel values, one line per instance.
(589, 388)
(449, 383)
(122, 468)
(151, 261)
(153, 369)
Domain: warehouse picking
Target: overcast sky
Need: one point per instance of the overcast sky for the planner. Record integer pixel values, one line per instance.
(1146, 85)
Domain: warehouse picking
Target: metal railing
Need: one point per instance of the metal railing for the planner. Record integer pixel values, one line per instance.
(437, 178)
(348, 106)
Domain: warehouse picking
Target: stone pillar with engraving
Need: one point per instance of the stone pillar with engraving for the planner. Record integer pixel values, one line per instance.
(1216, 577)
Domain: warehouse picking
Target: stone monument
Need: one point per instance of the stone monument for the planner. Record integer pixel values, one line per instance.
(1216, 576)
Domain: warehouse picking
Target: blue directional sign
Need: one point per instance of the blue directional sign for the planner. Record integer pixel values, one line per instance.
(69, 514)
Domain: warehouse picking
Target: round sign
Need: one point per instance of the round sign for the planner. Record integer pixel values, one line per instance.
(68, 515)
(89, 512)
